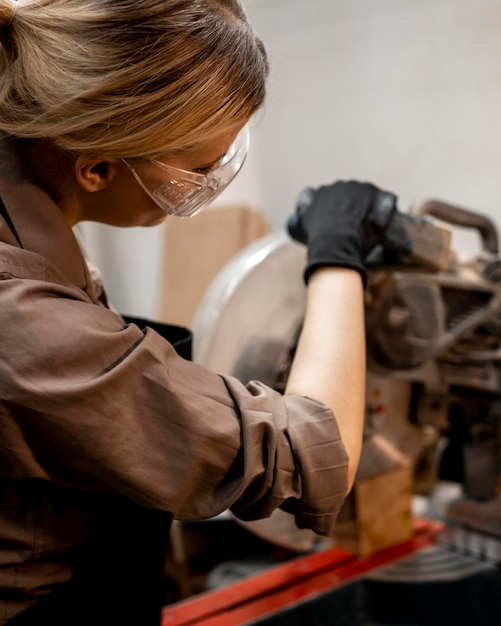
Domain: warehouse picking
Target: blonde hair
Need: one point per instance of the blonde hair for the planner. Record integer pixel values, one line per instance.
(127, 78)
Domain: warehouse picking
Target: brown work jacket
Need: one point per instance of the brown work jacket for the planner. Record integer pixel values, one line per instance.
(106, 434)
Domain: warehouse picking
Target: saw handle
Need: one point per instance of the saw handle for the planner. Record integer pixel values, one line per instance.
(403, 239)
(459, 216)
(379, 217)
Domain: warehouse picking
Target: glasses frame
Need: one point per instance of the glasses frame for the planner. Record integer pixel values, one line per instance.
(185, 193)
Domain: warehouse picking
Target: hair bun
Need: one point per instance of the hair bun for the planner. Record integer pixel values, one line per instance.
(8, 10)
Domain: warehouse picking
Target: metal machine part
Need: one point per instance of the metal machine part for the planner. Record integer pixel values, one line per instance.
(249, 319)
(417, 582)
(433, 340)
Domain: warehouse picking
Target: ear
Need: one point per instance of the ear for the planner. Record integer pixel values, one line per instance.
(94, 173)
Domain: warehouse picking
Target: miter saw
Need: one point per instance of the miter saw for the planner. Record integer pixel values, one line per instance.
(433, 329)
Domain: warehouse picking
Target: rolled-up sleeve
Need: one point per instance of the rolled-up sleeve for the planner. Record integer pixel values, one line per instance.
(293, 457)
(98, 405)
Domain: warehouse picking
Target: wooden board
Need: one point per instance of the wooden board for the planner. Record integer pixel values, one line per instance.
(195, 250)
(382, 517)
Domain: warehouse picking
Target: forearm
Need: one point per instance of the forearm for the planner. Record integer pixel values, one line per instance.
(329, 364)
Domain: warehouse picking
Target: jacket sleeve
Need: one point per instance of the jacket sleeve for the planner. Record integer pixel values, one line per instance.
(93, 403)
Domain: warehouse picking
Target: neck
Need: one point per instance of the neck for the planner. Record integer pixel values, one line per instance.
(51, 169)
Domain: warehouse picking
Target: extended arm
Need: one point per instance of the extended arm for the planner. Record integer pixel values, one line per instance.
(329, 365)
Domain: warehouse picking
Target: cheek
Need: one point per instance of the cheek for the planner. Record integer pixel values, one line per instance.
(151, 175)
(140, 210)
(130, 205)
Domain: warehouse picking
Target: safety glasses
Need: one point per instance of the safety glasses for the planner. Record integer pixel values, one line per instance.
(184, 193)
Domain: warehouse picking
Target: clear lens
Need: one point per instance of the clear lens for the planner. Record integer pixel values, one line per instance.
(185, 193)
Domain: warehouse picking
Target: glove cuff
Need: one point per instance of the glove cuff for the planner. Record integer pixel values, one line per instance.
(348, 264)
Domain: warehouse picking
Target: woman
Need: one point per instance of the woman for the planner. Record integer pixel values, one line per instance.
(122, 112)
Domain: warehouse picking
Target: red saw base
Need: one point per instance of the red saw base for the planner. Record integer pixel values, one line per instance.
(299, 580)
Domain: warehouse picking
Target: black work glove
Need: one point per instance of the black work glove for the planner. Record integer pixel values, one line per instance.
(341, 224)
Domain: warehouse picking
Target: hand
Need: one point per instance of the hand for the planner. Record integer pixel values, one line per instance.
(341, 223)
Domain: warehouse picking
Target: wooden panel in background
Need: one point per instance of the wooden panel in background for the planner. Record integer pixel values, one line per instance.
(196, 249)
